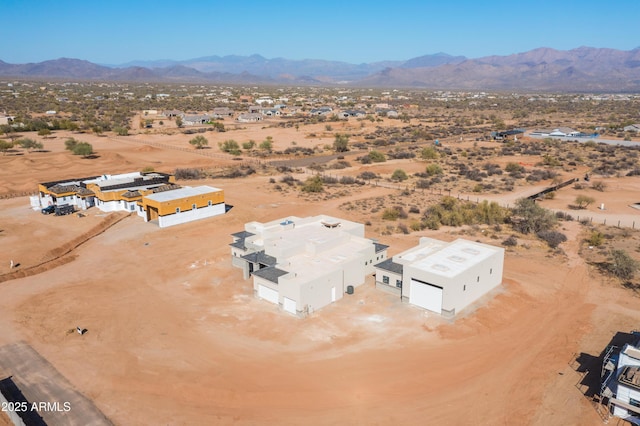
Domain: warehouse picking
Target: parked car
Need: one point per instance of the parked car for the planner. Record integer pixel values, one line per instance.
(48, 210)
(64, 210)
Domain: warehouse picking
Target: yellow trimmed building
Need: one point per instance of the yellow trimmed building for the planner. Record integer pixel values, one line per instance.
(153, 196)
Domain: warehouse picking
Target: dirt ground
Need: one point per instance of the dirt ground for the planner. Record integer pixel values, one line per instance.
(175, 335)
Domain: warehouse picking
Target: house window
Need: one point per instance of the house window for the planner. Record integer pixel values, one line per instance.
(209, 203)
(464, 287)
(399, 283)
(478, 280)
(490, 271)
(193, 206)
(177, 209)
(635, 403)
(385, 279)
(132, 207)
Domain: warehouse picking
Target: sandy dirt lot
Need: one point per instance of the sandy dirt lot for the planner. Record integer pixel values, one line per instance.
(175, 335)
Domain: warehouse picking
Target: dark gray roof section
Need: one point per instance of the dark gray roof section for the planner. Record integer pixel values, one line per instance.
(239, 244)
(390, 265)
(271, 273)
(260, 257)
(380, 247)
(242, 234)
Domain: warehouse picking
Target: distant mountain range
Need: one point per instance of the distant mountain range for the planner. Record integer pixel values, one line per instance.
(584, 69)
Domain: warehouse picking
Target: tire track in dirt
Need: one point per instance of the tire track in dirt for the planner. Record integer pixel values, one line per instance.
(63, 254)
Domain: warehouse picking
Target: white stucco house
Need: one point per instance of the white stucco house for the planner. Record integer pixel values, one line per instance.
(304, 264)
(621, 381)
(442, 277)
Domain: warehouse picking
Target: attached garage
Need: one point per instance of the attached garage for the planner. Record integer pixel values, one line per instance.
(289, 305)
(267, 293)
(425, 295)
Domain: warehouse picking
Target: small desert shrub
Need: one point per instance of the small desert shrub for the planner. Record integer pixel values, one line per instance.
(596, 239)
(512, 241)
(599, 186)
(186, 174)
(622, 265)
(552, 238)
(312, 184)
(403, 228)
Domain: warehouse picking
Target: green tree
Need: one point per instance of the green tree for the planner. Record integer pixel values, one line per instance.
(528, 217)
(179, 121)
(44, 132)
(583, 201)
(341, 142)
(312, 184)
(399, 175)
(199, 142)
(83, 148)
(595, 239)
(5, 146)
(30, 144)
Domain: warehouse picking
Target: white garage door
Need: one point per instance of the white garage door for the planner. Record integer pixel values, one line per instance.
(425, 295)
(267, 293)
(289, 305)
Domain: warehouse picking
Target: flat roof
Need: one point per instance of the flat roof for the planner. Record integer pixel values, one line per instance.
(455, 258)
(184, 192)
(391, 266)
(270, 273)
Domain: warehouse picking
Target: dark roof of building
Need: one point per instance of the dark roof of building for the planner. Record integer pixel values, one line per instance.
(380, 247)
(390, 265)
(239, 244)
(270, 273)
(131, 194)
(260, 257)
(242, 234)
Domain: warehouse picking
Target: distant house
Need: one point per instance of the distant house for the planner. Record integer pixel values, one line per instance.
(352, 113)
(321, 111)
(172, 113)
(632, 128)
(250, 117)
(265, 100)
(153, 196)
(197, 119)
(6, 119)
(222, 112)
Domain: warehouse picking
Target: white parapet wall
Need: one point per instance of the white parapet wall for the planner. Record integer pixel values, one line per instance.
(191, 215)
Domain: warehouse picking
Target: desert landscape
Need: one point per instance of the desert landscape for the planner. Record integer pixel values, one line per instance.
(176, 336)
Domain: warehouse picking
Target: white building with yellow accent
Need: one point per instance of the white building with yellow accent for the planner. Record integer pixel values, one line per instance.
(153, 196)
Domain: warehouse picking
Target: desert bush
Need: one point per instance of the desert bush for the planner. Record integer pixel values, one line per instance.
(595, 239)
(368, 175)
(423, 184)
(429, 153)
(188, 174)
(377, 157)
(583, 201)
(403, 228)
(347, 180)
(288, 179)
(414, 209)
(550, 195)
(390, 214)
(512, 241)
(230, 146)
(312, 184)
(528, 217)
(552, 238)
(622, 265)
(399, 175)
(599, 186)
(433, 169)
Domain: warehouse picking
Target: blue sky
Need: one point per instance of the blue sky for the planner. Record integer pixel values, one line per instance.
(119, 31)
